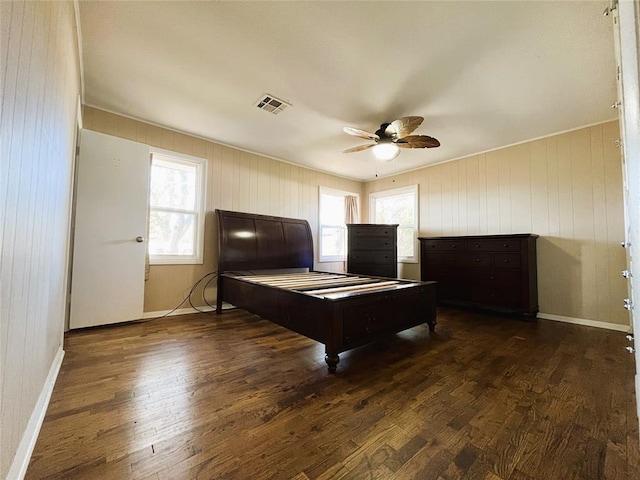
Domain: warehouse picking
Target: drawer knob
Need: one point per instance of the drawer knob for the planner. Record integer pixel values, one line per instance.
(454, 246)
(506, 261)
(506, 245)
(477, 245)
(477, 260)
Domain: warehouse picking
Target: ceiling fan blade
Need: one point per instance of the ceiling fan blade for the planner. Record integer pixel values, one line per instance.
(356, 132)
(418, 141)
(403, 126)
(358, 148)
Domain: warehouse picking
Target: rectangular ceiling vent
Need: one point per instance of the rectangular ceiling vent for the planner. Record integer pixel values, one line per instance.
(271, 104)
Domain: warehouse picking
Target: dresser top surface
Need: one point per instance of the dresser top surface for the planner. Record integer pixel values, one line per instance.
(380, 225)
(476, 237)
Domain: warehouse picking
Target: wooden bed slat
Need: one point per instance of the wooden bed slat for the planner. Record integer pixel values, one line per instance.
(351, 288)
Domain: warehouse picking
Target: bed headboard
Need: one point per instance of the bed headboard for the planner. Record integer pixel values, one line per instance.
(248, 241)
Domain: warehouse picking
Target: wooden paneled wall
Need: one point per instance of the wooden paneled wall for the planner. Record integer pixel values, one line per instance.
(237, 180)
(40, 94)
(566, 188)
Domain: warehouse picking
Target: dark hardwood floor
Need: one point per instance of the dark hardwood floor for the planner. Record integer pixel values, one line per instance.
(236, 397)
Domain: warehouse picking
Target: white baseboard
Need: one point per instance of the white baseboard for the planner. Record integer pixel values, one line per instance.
(184, 311)
(23, 455)
(585, 322)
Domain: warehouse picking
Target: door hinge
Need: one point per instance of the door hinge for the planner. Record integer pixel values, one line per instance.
(612, 6)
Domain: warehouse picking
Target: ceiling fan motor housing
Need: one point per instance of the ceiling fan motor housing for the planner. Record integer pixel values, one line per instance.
(382, 134)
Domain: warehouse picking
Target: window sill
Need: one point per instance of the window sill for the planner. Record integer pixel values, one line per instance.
(175, 261)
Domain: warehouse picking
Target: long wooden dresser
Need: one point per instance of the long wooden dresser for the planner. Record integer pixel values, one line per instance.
(373, 249)
(493, 272)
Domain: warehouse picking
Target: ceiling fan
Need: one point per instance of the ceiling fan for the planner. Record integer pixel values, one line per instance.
(390, 137)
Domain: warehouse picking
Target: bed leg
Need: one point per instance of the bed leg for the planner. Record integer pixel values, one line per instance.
(432, 324)
(332, 362)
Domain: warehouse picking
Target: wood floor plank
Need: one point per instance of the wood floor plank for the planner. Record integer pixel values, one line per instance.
(236, 397)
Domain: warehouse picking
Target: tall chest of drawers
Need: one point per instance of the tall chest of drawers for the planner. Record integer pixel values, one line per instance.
(373, 249)
(493, 272)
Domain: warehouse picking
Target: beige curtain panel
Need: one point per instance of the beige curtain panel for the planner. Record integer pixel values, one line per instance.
(351, 209)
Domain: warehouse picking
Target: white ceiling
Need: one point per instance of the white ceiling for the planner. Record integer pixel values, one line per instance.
(482, 74)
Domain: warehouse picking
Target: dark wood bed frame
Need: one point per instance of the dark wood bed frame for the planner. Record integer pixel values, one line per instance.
(253, 243)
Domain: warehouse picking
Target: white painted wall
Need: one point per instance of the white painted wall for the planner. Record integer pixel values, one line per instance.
(40, 91)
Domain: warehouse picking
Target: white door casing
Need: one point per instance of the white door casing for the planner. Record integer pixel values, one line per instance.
(107, 284)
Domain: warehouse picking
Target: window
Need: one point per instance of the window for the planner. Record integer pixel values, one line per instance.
(333, 220)
(176, 208)
(400, 206)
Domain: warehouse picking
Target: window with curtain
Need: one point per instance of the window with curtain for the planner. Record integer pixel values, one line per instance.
(176, 208)
(337, 208)
(399, 205)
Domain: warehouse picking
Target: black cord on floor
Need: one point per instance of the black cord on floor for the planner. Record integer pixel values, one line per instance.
(213, 275)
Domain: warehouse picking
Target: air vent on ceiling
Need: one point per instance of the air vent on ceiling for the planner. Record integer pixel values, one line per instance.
(271, 104)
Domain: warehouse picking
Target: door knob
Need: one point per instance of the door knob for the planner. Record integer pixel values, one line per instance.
(139, 239)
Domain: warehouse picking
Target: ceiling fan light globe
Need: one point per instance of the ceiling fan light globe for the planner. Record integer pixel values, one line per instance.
(386, 151)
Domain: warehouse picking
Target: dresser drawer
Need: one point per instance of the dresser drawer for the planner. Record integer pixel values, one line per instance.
(367, 243)
(356, 232)
(453, 260)
(496, 278)
(487, 295)
(451, 285)
(453, 245)
(507, 260)
(493, 245)
(375, 269)
(371, 256)
(431, 259)
(478, 260)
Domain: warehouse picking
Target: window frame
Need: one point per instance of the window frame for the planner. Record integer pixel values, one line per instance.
(336, 193)
(396, 192)
(200, 207)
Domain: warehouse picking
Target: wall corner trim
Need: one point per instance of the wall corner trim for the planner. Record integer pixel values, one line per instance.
(587, 323)
(20, 462)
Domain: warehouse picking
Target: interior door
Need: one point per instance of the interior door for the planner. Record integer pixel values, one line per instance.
(627, 44)
(107, 282)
